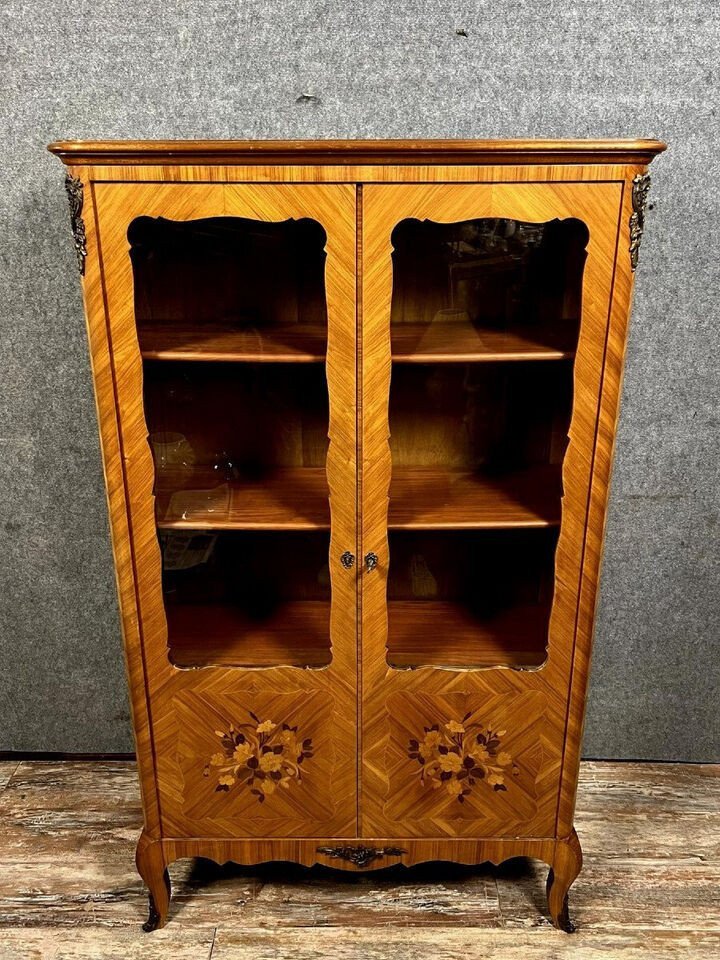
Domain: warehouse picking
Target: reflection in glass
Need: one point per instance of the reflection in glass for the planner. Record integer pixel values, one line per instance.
(485, 319)
(232, 325)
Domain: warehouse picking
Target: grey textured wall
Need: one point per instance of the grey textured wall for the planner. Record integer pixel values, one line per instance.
(156, 68)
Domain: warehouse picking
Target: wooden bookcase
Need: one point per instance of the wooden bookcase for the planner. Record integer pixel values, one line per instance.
(357, 404)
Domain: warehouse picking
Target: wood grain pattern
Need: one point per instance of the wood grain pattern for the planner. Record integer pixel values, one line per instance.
(296, 498)
(358, 192)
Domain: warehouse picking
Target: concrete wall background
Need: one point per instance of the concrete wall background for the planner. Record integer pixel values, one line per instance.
(158, 68)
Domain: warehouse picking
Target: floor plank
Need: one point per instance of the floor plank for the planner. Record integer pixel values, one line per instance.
(130, 943)
(7, 768)
(428, 895)
(650, 887)
(453, 943)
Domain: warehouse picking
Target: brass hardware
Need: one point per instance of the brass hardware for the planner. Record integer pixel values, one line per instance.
(361, 856)
(347, 559)
(640, 191)
(371, 561)
(74, 188)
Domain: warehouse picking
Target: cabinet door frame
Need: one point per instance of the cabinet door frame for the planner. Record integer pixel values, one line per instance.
(115, 206)
(600, 206)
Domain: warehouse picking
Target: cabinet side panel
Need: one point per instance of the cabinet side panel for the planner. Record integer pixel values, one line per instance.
(102, 365)
(619, 314)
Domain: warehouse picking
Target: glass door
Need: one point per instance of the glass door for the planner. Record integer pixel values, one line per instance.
(232, 322)
(233, 319)
(479, 314)
(484, 324)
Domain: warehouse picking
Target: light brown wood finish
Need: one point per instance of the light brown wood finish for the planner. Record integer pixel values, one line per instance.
(176, 711)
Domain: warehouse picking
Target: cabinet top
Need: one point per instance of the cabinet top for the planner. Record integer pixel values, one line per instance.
(427, 152)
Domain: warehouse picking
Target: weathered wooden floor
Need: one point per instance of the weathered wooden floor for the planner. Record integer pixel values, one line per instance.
(650, 887)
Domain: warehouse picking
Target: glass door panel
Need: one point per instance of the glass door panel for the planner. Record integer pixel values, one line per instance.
(232, 323)
(484, 325)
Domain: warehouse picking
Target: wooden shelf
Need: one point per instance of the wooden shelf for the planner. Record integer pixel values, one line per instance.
(307, 343)
(463, 342)
(431, 498)
(289, 343)
(296, 634)
(420, 499)
(448, 634)
(283, 499)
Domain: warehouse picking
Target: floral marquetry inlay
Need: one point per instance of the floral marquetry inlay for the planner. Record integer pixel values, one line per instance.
(457, 758)
(261, 756)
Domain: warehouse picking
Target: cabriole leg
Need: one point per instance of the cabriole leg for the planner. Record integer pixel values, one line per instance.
(566, 866)
(153, 870)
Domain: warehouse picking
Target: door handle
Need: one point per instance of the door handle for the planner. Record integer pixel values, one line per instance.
(371, 561)
(347, 559)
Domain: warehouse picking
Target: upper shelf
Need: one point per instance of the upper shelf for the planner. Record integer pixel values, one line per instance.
(289, 343)
(305, 343)
(462, 342)
(342, 152)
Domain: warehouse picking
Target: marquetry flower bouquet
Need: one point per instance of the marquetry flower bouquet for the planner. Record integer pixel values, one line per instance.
(261, 755)
(455, 758)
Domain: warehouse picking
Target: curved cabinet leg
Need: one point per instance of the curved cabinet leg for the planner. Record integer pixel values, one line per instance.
(565, 868)
(153, 870)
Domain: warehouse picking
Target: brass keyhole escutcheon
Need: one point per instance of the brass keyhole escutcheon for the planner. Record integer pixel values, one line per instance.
(371, 561)
(347, 559)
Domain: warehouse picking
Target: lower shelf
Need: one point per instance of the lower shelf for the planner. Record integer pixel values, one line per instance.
(295, 634)
(448, 634)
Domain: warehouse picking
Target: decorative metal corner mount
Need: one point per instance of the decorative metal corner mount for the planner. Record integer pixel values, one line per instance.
(74, 188)
(361, 856)
(640, 191)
